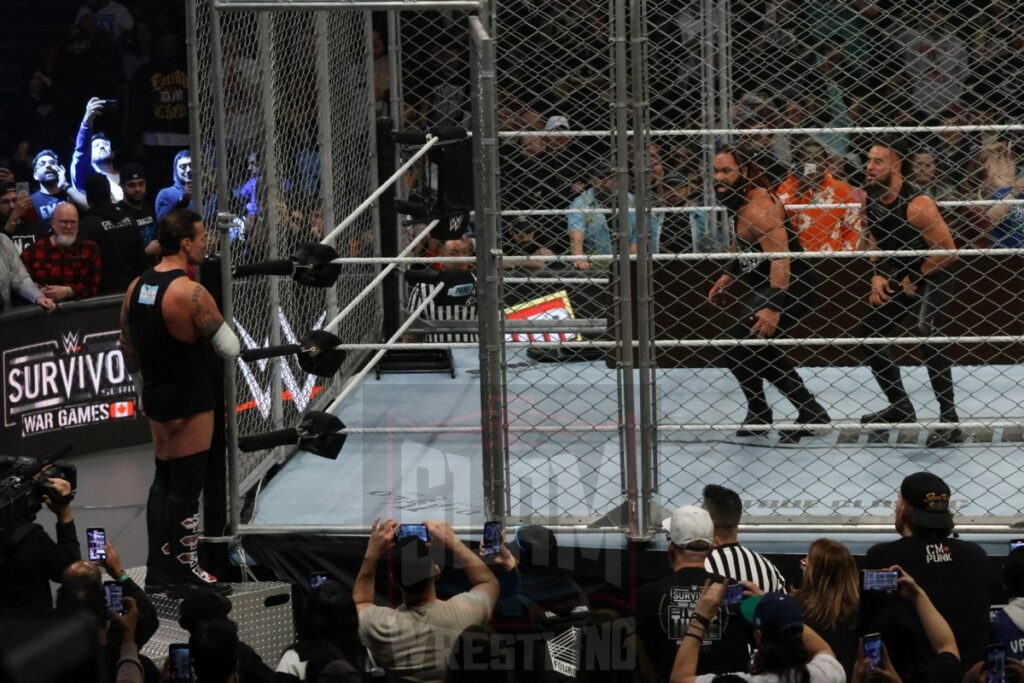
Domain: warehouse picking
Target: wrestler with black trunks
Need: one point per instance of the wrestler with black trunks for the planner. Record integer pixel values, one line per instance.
(900, 216)
(781, 292)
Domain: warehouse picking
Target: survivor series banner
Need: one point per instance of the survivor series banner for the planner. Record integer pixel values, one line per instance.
(65, 382)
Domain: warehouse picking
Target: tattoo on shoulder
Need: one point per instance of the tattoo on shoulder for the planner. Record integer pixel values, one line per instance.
(204, 312)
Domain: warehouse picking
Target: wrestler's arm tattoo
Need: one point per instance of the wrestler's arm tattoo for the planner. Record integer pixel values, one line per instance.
(205, 315)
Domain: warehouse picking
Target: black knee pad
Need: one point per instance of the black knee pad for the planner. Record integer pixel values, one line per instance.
(188, 474)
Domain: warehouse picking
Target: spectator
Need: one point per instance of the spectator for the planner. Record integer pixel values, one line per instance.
(31, 559)
(413, 642)
(829, 595)
(810, 182)
(179, 194)
(86, 68)
(64, 266)
(1008, 623)
(521, 240)
(665, 607)
(1007, 220)
(53, 186)
(85, 594)
(728, 558)
(93, 153)
(946, 568)
(16, 215)
(111, 16)
(14, 277)
(34, 115)
(924, 174)
(769, 153)
(787, 649)
(935, 62)
(329, 632)
(135, 204)
(381, 75)
(158, 115)
(213, 646)
(588, 226)
(115, 233)
(456, 302)
(138, 49)
(918, 640)
(204, 606)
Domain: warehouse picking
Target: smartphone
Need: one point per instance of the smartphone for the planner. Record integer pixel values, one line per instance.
(492, 538)
(110, 103)
(113, 593)
(733, 594)
(880, 580)
(1016, 543)
(21, 189)
(873, 650)
(179, 663)
(96, 539)
(317, 579)
(419, 530)
(995, 663)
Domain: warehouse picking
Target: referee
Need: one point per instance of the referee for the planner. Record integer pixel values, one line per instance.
(728, 558)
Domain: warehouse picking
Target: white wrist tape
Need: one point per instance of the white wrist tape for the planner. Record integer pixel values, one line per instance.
(225, 343)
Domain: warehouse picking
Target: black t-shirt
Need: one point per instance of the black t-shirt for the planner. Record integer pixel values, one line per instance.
(954, 575)
(26, 234)
(664, 610)
(121, 247)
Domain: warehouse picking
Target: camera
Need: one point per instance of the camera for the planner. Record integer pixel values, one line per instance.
(23, 484)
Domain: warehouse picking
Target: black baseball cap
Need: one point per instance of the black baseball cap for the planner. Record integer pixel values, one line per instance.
(132, 171)
(928, 498)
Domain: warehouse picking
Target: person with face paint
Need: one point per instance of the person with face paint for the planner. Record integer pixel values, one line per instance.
(782, 291)
(810, 182)
(179, 194)
(93, 153)
(900, 216)
(64, 266)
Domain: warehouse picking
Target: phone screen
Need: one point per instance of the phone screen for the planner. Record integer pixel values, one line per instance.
(406, 530)
(880, 580)
(733, 594)
(1016, 543)
(995, 663)
(96, 539)
(873, 650)
(21, 189)
(114, 594)
(179, 664)
(492, 538)
(317, 579)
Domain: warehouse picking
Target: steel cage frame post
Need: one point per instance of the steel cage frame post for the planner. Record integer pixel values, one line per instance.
(195, 147)
(622, 288)
(492, 362)
(230, 369)
(371, 141)
(325, 136)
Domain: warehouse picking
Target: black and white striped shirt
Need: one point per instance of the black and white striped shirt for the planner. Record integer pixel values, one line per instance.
(735, 562)
(435, 312)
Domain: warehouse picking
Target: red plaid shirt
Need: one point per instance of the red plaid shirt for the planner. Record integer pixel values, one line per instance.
(77, 266)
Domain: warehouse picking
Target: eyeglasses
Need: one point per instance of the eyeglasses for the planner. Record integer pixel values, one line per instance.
(67, 222)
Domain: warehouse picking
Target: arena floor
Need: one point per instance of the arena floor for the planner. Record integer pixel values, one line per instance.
(413, 476)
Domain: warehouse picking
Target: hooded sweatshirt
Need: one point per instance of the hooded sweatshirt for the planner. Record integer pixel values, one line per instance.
(1008, 628)
(169, 197)
(116, 234)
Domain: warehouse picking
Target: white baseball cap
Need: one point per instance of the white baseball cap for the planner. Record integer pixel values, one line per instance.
(557, 122)
(689, 524)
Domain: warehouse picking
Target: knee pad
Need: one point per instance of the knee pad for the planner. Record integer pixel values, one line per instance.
(188, 474)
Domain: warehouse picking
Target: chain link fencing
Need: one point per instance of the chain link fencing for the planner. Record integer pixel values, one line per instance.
(297, 141)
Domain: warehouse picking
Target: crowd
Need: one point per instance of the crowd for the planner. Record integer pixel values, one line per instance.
(720, 611)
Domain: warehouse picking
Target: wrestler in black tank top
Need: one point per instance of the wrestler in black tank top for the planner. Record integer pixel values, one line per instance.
(892, 230)
(176, 381)
(757, 271)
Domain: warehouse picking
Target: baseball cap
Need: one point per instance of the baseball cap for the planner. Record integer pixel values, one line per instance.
(538, 546)
(689, 524)
(202, 606)
(928, 498)
(7, 187)
(132, 171)
(411, 562)
(775, 614)
(559, 122)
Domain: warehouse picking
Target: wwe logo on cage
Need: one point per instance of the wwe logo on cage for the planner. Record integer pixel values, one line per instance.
(70, 340)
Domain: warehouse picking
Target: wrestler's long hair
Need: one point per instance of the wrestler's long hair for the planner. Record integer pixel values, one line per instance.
(746, 162)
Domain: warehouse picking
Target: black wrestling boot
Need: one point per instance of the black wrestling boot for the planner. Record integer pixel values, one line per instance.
(185, 575)
(810, 414)
(944, 437)
(759, 414)
(900, 411)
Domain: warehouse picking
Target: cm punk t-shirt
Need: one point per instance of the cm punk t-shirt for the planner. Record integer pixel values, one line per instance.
(954, 575)
(664, 611)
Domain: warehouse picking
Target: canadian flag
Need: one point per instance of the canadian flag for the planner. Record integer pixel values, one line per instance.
(122, 409)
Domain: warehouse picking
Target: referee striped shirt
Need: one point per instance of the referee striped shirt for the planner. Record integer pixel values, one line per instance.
(735, 562)
(435, 312)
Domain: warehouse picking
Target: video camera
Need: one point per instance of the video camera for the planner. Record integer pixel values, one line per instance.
(23, 483)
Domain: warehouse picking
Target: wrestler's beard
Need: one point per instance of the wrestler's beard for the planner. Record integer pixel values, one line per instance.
(877, 187)
(732, 197)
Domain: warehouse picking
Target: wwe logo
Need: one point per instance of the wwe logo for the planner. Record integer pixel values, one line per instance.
(70, 340)
(455, 223)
